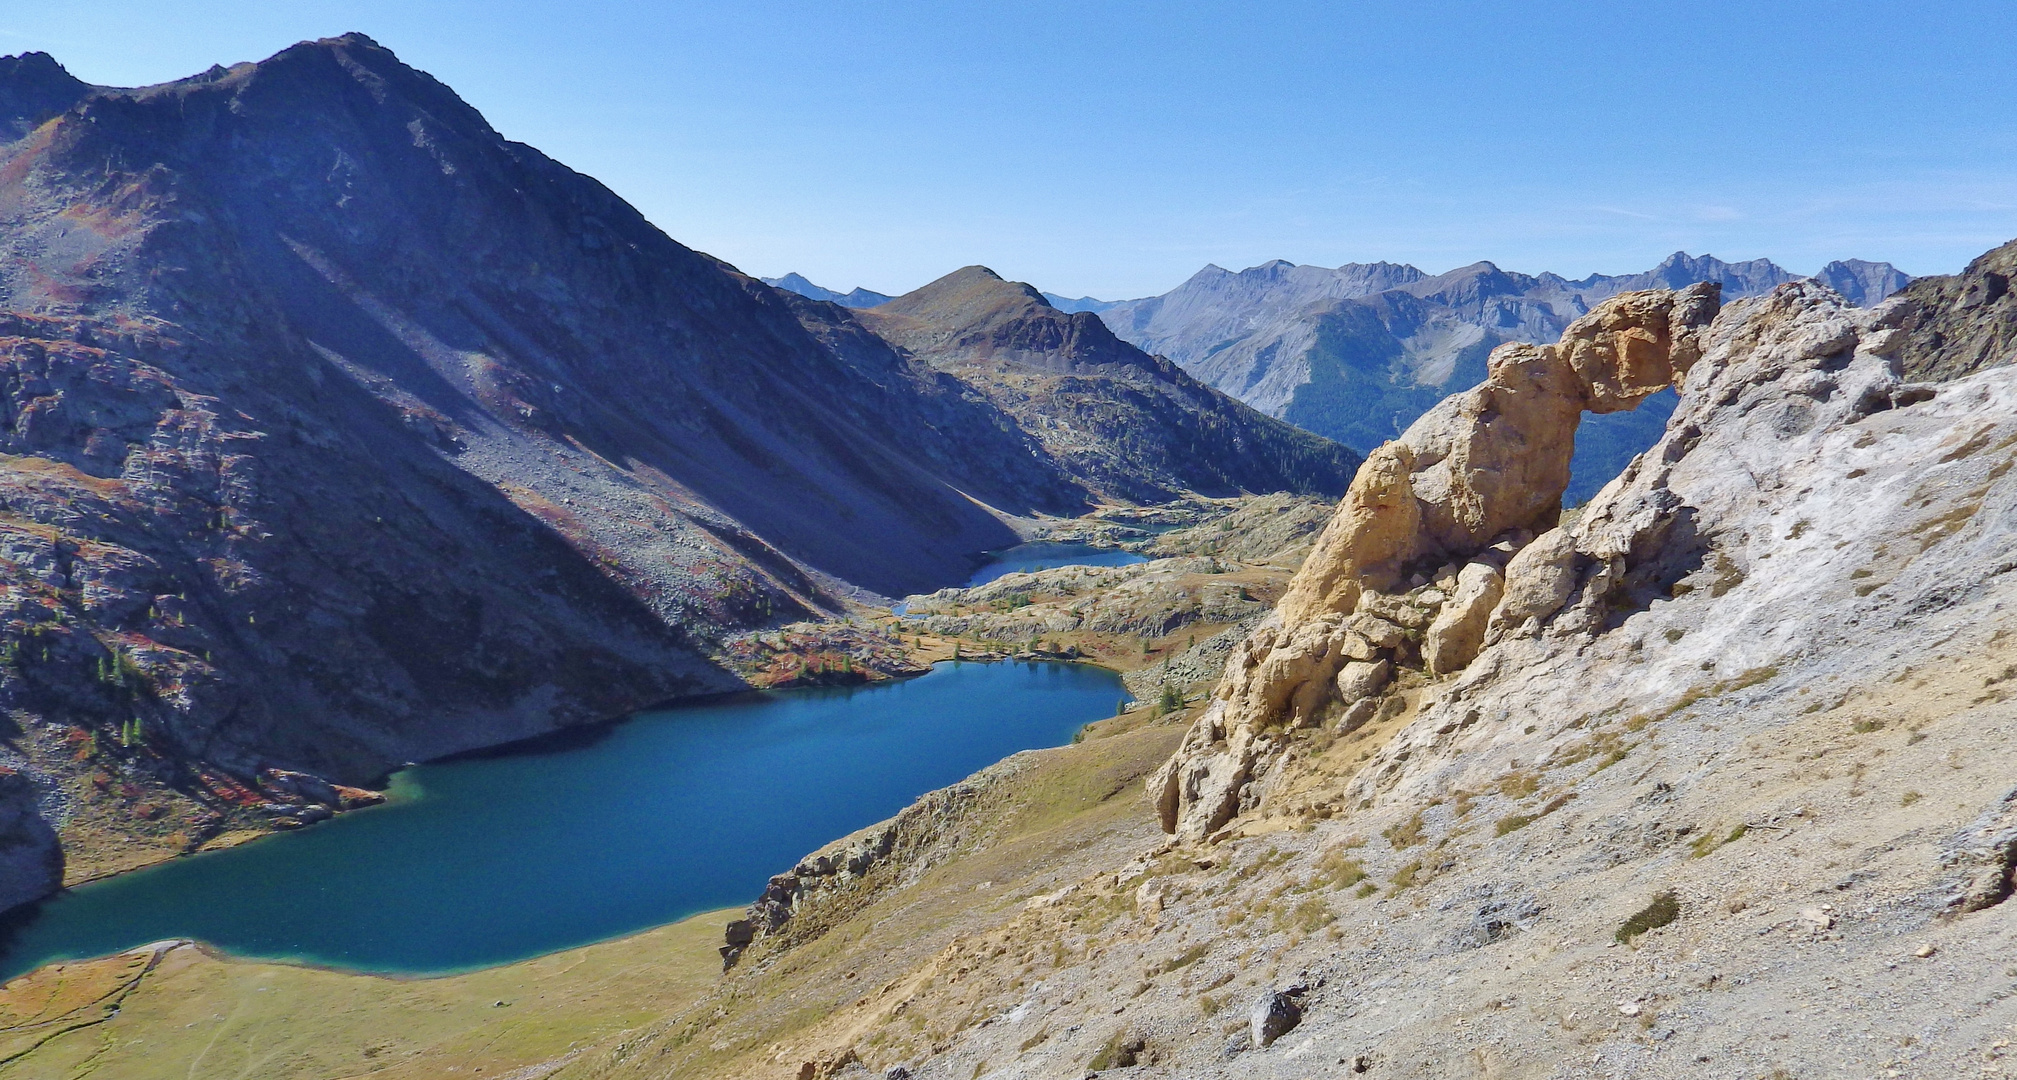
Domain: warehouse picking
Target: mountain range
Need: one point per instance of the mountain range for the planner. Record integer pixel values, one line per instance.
(866, 298)
(341, 431)
(857, 297)
(1356, 352)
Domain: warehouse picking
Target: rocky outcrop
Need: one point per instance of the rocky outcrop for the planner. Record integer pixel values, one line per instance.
(1965, 321)
(810, 897)
(1469, 484)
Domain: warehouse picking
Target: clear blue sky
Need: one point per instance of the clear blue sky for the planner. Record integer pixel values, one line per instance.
(1113, 149)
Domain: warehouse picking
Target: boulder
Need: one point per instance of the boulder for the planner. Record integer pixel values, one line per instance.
(1458, 631)
(1362, 679)
(1274, 1015)
(1538, 582)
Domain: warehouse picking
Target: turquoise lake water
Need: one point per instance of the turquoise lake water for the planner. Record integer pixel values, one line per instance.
(1044, 555)
(516, 853)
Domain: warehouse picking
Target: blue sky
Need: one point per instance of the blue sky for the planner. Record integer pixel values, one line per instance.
(1114, 148)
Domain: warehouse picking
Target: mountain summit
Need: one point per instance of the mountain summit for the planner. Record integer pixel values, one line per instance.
(1127, 425)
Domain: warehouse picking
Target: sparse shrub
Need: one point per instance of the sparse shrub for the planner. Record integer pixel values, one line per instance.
(1865, 727)
(1340, 870)
(1406, 876)
(1909, 798)
(1307, 917)
(1710, 841)
(1665, 908)
(1406, 834)
(1183, 959)
(1511, 823)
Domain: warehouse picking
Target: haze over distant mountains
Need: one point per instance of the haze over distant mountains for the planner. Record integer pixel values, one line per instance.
(1356, 352)
(867, 298)
(1280, 336)
(856, 298)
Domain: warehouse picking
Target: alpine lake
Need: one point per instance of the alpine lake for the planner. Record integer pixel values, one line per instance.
(590, 834)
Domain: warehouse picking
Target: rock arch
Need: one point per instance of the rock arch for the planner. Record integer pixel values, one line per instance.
(1465, 490)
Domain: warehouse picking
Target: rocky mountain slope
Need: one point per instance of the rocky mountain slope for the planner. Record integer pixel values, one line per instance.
(1968, 321)
(1127, 425)
(340, 432)
(1357, 352)
(1708, 779)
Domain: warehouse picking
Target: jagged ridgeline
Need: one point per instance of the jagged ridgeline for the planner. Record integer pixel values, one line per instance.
(345, 432)
(1357, 352)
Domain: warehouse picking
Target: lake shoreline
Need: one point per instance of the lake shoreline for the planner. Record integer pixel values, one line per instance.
(981, 714)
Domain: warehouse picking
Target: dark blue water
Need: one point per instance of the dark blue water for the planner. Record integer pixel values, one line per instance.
(488, 860)
(1043, 555)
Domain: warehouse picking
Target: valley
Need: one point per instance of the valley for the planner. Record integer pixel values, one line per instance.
(449, 627)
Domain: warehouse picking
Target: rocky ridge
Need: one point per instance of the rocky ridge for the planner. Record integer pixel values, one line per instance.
(1969, 319)
(856, 297)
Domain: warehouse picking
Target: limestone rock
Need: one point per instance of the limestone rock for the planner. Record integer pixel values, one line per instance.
(1274, 1015)
(1474, 475)
(1459, 629)
(1374, 526)
(1538, 582)
(1378, 632)
(1362, 679)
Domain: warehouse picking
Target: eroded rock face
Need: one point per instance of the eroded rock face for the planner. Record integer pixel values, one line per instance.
(1467, 486)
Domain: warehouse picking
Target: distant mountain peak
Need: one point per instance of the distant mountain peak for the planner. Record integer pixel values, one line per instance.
(856, 298)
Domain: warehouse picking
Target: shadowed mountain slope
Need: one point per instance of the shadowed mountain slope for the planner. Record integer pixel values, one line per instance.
(340, 431)
(1125, 424)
